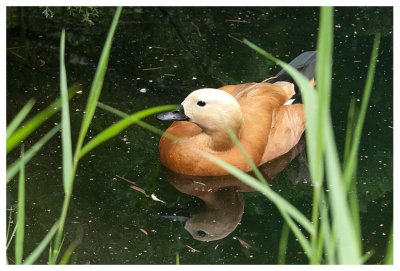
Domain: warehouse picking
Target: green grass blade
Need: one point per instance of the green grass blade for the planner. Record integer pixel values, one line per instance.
(67, 254)
(309, 96)
(112, 110)
(142, 124)
(119, 126)
(20, 233)
(250, 162)
(15, 167)
(328, 240)
(389, 248)
(283, 244)
(314, 151)
(348, 240)
(35, 254)
(349, 129)
(8, 237)
(323, 78)
(295, 229)
(19, 118)
(94, 95)
(11, 237)
(305, 244)
(97, 83)
(33, 123)
(65, 121)
(351, 164)
(264, 189)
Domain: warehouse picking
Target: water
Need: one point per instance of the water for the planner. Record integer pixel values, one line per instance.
(159, 56)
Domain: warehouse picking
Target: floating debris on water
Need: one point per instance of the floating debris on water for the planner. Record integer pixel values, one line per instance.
(153, 196)
(176, 218)
(137, 188)
(243, 243)
(192, 249)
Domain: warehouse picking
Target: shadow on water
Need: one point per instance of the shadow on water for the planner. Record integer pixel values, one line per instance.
(159, 56)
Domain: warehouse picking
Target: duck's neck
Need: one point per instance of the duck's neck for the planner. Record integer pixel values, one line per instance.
(220, 140)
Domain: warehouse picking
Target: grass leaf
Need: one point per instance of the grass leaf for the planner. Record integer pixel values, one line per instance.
(65, 121)
(32, 124)
(20, 224)
(119, 126)
(348, 241)
(142, 124)
(42, 245)
(97, 83)
(10, 238)
(15, 167)
(389, 248)
(351, 163)
(19, 118)
(94, 94)
(283, 244)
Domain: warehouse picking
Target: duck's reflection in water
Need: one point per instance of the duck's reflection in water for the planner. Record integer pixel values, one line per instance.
(223, 205)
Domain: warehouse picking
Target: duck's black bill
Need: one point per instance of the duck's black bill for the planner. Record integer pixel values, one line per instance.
(176, 114)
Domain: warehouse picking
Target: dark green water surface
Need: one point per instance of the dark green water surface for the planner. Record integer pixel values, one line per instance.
(159, 56)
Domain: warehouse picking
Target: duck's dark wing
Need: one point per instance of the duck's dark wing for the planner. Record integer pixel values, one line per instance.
(304, 63)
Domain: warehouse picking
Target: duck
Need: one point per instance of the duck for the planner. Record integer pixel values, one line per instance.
(267, 118)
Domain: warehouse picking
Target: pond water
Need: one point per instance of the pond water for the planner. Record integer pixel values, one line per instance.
(159, 56)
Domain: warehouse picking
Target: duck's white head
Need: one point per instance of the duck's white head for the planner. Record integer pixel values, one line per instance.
(213, 110)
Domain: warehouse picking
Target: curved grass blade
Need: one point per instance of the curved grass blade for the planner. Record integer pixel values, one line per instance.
(32, 124)
(65, 121)
(304, 221)
(284, 207)
(19, 118)
(389, 248)
(351, 115)
(97, 83)
(323, 78)
(310, 100)
(10, 238)
(142, 124)
(283, 244)
(42, 245)
(348, 241)
(15, 167)
(116, 128)
(264, 189)
(20, 224)
(94, 94)
(351, 163)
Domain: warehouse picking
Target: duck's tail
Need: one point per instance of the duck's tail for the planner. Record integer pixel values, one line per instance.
(304, 63)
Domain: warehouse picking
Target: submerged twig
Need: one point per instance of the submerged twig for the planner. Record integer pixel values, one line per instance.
(243, 243)
(137, 188)
(129, 181)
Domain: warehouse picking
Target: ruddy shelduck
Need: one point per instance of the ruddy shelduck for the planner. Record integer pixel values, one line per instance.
(261, 115)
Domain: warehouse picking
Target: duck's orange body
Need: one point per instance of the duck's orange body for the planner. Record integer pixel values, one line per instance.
(268, 129)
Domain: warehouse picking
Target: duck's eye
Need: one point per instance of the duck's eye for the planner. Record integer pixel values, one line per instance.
(201, 103)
